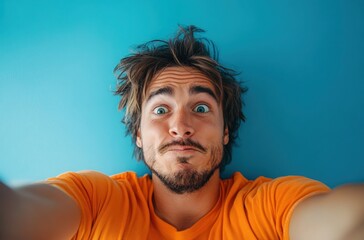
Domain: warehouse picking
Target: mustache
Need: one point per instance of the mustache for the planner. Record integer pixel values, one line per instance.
(184, 142)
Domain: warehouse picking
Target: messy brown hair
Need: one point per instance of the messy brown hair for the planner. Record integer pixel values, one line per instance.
(135, 72)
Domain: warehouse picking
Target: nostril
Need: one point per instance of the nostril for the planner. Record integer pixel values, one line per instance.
(180, 133)
(181, 128)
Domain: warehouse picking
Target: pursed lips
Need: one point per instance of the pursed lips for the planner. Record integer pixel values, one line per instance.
(182, 146)
(177, 149)
(182, 149)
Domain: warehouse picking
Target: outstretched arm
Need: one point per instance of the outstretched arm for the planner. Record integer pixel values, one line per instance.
(38, 211)
(337, 215)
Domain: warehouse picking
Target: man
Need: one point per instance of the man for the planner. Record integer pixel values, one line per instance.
(183, 111)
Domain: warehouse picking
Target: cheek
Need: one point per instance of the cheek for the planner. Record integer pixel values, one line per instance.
(212, 129)
(152, 132)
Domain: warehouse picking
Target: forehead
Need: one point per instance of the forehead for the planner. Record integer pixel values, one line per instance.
(179, 77)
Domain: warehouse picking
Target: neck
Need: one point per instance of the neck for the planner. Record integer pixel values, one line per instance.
(184, 210)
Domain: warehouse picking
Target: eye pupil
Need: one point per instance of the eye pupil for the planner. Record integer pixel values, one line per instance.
(200, 109)
(160, 111)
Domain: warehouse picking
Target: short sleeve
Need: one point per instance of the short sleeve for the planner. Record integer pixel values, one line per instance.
(90, 190)
(272, 203)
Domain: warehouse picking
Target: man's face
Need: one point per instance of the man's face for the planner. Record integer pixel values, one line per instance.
(182, 129)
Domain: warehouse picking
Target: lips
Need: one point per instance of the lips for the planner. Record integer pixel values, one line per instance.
(182, 146)
(181, 149)
(178, 149)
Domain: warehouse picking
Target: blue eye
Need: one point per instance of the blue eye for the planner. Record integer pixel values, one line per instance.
(202, 108)
(160, 110)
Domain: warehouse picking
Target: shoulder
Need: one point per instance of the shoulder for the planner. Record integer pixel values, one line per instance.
(80, 179)
(277, 186)
(110, 201)
(91, 182)
(267, 204)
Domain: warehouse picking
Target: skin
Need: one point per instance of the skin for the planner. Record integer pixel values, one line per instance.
(38, 211)
(182, 136)
(337, 215)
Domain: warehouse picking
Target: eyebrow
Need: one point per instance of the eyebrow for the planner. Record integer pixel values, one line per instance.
(201, 89)
(160, 91)
(193, 90)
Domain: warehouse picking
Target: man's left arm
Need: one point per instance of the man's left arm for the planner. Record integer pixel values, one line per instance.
(336, 215)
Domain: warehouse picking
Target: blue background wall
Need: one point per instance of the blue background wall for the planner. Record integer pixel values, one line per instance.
(302, 61)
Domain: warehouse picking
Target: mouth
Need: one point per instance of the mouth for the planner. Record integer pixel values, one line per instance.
(182, 147)
(182, 150)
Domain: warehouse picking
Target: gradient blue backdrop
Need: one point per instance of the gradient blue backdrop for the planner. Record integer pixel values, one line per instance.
(302, 61)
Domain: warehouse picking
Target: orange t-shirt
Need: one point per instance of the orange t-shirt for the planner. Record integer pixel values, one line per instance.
(121, 207)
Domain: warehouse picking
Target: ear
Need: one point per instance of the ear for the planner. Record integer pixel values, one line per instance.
(226, 136)
(138, 141)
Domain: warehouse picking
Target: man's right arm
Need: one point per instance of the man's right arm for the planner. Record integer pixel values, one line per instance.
(37, 211)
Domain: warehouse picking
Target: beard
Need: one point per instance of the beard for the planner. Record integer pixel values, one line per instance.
(186, 180)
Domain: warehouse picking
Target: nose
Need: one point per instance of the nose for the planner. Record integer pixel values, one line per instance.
(181, 125)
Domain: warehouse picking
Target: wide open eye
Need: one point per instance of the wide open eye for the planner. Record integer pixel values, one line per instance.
(201, 108)
(160, 110)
